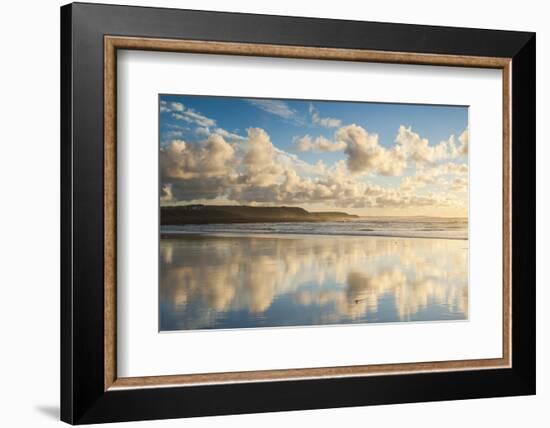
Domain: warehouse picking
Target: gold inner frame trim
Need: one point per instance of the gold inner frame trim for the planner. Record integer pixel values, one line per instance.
(113, 43)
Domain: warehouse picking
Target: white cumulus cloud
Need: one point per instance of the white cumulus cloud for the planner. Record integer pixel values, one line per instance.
(319, 144)
(366, 155)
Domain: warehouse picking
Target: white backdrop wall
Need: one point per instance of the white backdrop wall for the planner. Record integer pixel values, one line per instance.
(29, 223)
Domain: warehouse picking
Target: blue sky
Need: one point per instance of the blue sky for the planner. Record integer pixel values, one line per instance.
(193, 119)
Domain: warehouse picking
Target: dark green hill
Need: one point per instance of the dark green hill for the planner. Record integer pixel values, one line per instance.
(206, 214)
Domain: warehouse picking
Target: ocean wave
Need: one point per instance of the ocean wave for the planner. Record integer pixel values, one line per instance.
(451, 229)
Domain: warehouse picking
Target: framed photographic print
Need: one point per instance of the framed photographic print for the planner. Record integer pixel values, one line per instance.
(265, 213)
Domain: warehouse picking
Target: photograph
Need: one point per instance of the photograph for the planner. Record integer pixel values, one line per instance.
(288, 212)
(261, 213)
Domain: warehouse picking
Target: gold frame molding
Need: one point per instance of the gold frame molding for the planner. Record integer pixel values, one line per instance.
(113, 43)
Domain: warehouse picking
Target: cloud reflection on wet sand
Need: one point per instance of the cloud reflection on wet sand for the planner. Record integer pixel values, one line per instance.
(258, 281)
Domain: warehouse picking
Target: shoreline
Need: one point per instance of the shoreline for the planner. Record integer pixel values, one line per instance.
(288, 234)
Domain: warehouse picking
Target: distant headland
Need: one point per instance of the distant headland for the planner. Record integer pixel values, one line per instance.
(175, 215)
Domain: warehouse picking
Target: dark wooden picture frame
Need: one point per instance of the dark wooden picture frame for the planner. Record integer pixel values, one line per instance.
(90, 37)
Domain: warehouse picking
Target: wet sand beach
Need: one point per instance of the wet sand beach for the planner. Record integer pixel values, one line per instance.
(215, 280)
